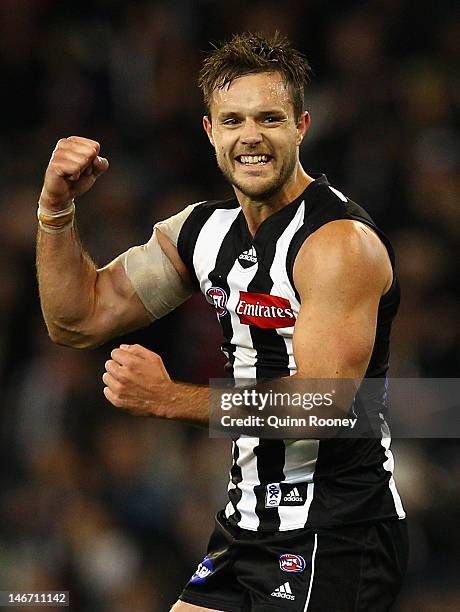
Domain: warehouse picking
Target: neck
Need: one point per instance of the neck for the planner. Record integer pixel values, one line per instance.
(256, 211)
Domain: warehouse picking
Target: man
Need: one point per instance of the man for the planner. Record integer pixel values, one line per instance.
(310, 525)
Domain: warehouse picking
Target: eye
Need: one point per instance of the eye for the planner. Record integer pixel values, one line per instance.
(230, 121)
(272, 119)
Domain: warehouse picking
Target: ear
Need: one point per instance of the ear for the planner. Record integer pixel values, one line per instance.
(207, 125)
(303, 125)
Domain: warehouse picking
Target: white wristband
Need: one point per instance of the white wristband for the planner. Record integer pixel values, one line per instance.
(49, 219)
(53, 213)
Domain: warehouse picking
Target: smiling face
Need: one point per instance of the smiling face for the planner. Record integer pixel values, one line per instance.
(255, 134)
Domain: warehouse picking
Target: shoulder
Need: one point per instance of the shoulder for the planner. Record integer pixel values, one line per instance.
(189, 216)
(343, 251)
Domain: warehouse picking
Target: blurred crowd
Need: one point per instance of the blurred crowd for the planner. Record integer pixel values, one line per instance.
(116, 509)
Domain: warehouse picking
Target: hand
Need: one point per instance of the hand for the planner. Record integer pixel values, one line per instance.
(136, 380)
(73, 169)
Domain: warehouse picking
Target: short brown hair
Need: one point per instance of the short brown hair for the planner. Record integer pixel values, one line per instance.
(253, 53)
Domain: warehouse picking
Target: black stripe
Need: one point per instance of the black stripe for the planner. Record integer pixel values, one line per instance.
(272, 361)
(218, 277)
(272, 356)
(271, 457)
(236, 475)
(191, 229)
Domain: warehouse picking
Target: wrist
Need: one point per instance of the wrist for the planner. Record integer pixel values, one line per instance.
(56, 221)
(52, 205)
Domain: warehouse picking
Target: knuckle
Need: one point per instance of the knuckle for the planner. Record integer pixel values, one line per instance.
(122, 381)
(128, 361)
(117, 401)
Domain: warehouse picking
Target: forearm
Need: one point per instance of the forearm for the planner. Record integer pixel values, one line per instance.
(186, 403)
(66, 275)
(161, 398)
(67, 283)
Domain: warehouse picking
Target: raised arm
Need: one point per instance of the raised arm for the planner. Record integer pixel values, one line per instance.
(83, 306)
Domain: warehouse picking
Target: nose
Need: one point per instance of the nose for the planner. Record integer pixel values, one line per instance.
(250, 134)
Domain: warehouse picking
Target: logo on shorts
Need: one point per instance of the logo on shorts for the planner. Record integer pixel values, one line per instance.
(264, 310)
(217, 297)
(284, 592)
(292, 563)
(273, 495)
(203, 571)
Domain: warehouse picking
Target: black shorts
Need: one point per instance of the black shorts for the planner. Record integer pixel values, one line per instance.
(347, 569)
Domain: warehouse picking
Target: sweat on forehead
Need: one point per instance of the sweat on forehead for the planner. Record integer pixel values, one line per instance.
(253, 89)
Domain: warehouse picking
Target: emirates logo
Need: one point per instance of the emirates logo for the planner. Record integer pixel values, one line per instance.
(264, 311)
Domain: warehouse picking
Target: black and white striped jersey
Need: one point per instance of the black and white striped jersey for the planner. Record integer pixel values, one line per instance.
(275, 484)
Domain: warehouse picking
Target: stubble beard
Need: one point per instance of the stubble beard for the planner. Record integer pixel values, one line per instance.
(264, 192)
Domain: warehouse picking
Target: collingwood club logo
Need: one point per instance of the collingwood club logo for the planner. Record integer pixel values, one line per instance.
(283, 592)
(248, 258)
(217, 297)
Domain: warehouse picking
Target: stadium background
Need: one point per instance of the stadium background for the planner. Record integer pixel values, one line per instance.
(116, 509)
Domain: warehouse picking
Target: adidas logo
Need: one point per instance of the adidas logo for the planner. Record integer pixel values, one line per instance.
(293, 496)
(248, 258)
(284, 592)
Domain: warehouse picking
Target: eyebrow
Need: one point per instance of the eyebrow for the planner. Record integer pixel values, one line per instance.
(262, 113)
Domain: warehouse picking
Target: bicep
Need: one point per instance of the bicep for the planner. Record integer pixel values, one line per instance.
(333, 339)
(118, 308)
(138, 287)
(341, 275)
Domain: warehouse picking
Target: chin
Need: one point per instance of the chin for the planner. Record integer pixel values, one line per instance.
(258, 192)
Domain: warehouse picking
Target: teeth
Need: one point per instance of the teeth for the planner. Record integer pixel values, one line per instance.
(254, 159)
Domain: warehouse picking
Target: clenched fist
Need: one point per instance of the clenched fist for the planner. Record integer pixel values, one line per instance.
(137, 381)
(73, 169)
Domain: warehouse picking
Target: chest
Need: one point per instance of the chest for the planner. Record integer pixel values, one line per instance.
(246, 281)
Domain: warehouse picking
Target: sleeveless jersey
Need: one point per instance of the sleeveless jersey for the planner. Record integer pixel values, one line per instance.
(278, 485)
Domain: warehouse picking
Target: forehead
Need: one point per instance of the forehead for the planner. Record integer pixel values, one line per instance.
(252, 92)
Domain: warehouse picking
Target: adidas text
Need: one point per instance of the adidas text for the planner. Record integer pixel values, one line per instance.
(284, 592)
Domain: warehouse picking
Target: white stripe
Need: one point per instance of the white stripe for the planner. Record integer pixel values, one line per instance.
(312, 573)
(281, 282)
(299, 466)
(245, 355)
(278, 273)
(338, 193)
(248, 465)
(389, 466)
(209, 242)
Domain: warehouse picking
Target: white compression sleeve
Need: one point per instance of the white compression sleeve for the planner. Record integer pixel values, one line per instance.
(153, 276)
